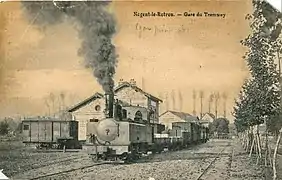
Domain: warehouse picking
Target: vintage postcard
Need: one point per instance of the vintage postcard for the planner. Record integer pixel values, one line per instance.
(145, 90)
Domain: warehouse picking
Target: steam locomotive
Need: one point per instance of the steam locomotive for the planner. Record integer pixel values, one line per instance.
(120, 136)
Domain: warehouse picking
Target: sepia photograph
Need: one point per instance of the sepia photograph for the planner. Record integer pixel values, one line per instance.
(141, 90)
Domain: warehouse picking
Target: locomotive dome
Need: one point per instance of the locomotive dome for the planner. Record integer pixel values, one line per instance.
(107, 129)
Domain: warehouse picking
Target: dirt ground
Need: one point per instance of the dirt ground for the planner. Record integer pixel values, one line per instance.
(215, 160)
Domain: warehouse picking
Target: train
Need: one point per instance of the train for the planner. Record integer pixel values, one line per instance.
(125, 133)
(119, 137)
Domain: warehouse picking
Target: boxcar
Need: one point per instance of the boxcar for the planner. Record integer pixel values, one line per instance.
(50, 133)
(183, 129)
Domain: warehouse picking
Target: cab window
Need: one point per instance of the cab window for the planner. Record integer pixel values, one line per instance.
(26, 127)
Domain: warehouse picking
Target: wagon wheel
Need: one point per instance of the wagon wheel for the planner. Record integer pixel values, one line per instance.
(37, 146)
(56, 146)
(127, 158)
(95, 157)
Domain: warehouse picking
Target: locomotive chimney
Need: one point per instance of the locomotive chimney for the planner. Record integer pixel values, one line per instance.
(108, 86)
(109, 104)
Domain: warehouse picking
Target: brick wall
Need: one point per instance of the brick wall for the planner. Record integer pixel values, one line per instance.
(136, 98)
(87, 112)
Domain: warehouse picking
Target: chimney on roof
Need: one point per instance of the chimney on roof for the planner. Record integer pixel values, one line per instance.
(132, 82)
(120, 82)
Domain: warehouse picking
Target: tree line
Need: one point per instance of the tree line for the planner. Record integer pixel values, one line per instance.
(10, 126)
(219, 126)
(259, 100)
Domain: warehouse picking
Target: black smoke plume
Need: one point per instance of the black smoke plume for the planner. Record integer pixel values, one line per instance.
(96, 29)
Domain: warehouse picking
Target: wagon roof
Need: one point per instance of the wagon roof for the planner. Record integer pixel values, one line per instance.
(45, 120)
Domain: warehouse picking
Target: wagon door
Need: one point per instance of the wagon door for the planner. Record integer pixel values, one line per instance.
(192, 132)
(65, 131)
(45, 131)
(56, 131)
(34, 131)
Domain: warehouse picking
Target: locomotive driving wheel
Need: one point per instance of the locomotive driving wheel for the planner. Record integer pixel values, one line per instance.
(95, 157)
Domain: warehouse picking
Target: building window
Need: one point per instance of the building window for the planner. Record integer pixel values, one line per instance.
(124, 113)
(97, 108)
(138, 116)
(26, 127)
(152, 114)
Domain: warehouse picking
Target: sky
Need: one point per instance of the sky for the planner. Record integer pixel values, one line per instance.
(204, 56)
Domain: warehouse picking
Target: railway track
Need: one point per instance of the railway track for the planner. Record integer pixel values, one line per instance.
(56, 161)
(39, 165)
(211, 163)
(76, 169)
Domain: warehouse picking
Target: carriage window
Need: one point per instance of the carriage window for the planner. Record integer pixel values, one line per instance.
(26, 127)
(138, 115)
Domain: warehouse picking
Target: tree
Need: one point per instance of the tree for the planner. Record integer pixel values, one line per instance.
(212, 128)
(62, 99)
(262, 100)
(52, 99)
(19, 128)
(220, 125)
(260, 59)
(217, 97)
(211, 97)
(201, 103)
(223, 125)
(57, 102)
(259, 100)
(224, 97)
(4, 127)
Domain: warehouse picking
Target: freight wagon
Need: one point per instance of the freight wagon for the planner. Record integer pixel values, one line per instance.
(194, 133)
(183, 129)
(50, 133)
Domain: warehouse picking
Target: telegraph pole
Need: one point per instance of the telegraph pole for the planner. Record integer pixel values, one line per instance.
(173, 100)
(161, 104)
(201, 101)
(210, 101)
(166, 102)
(216, 104)
(224, 96)
(143, 79)
(194, 102)
(180, 100)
